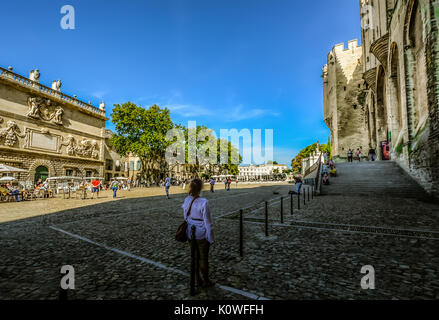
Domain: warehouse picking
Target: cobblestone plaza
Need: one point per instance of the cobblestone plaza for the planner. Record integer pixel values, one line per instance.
(125, 249)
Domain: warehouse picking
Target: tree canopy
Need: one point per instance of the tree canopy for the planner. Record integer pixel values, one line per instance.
(142, 132)
(296, 163)
(147, 134)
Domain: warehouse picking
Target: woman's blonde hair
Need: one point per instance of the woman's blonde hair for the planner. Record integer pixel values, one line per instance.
(195, 187)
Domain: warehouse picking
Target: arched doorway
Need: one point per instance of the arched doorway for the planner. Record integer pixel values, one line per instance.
(42, 173)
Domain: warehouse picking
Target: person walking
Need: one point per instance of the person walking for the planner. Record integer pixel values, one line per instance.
(229, 182)
(115, 187)
(167, 186)
(358, 153)
(350, 155)
(372, 154)
(212, 184)
(325, 156)
(200, 218)
(96, 184)
(225, 184)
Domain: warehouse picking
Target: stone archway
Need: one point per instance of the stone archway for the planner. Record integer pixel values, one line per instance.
(40, 163)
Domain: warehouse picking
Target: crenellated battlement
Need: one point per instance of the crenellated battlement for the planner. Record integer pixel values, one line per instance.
(352, 44)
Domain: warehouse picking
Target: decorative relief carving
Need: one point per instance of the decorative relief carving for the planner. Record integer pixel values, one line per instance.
(85, 148)
(10, 134)
(44, 109)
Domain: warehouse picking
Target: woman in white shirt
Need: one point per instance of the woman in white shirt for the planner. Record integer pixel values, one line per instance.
(201, 219)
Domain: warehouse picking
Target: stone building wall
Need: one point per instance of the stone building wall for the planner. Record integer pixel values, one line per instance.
(343, 88)
(400, 99)
(41, 126)
(401, 96)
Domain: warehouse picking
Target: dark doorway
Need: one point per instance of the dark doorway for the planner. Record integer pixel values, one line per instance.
(41, 173)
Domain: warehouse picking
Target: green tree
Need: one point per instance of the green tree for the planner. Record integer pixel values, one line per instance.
(142, 132)
(205, 141)
(296, 163)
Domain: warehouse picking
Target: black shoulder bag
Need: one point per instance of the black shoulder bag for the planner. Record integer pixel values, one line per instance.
(181, 234)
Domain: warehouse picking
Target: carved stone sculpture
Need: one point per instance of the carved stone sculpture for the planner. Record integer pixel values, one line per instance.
(43, 109)
(56, 85)
(102, 106)
(85, 148)
(10, 134)
(34, 75)
(57, 118)
(34, 108)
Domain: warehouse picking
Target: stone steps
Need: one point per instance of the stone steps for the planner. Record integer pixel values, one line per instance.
(377, 179)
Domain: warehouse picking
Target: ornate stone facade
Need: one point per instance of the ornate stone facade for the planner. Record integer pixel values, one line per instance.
(400, 99)
(44, 130)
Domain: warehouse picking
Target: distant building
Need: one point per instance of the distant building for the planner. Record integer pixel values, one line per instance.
(252, 172)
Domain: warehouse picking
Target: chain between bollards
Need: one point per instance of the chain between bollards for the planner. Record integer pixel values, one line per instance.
(241, 233)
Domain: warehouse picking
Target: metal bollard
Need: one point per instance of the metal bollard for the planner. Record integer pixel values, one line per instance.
(304, 196)
(193, 261)
(308, 194)
(266, 218)
(281, 210)
(312, 192)
(298, 201)
(291, 204)
(241, 235)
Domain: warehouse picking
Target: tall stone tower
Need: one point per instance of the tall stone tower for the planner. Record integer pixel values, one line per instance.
(343, 95)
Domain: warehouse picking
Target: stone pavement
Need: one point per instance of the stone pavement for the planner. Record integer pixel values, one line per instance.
(125, 249)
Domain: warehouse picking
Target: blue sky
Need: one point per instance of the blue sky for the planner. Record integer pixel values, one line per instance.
(252, 64)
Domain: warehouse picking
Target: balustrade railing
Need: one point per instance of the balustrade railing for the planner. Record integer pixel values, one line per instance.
(5, 73)
(318, 176)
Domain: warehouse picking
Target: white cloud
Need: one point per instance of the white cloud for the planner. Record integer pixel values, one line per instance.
(188, 110)
(239, 114)
(99, 94)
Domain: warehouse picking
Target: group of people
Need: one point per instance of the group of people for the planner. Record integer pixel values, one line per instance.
(168, 183)
(350, 154)
(9, 189)
(329, 169)
(227, 183)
